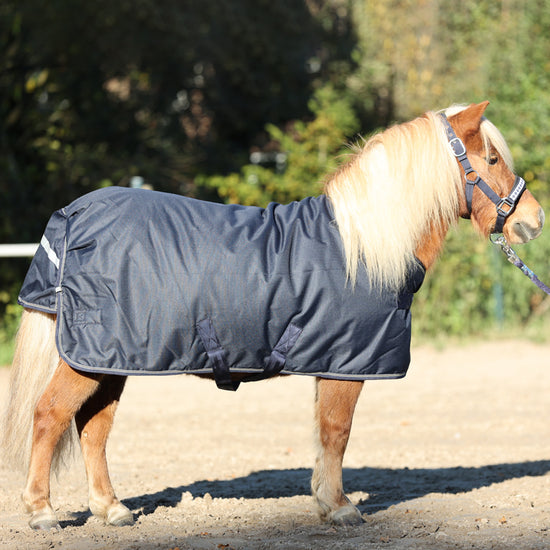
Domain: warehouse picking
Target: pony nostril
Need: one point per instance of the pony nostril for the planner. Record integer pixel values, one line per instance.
(542, 217)
(525, 232)
(521, 232)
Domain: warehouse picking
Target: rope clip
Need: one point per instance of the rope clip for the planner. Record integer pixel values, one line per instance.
(511, 255)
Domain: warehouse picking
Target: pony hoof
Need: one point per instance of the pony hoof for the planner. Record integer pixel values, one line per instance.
(44, 521)
(348, 515)
(119, 516)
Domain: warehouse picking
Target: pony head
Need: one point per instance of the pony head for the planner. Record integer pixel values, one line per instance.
(399, 194)
(490, 157)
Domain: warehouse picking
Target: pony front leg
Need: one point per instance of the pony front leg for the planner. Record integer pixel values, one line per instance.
(94, 421)
(335, 402)
(54, 411)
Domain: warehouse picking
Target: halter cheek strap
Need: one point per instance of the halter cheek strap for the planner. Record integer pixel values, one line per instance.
(504, 206)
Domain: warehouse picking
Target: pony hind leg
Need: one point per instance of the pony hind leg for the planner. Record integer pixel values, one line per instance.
(93, 422)
(64, 395)
(335, 402)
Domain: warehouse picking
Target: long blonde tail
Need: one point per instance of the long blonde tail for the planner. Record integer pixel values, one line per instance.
(34, 363)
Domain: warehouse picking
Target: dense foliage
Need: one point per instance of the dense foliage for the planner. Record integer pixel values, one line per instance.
(251, 101)
(304, 156)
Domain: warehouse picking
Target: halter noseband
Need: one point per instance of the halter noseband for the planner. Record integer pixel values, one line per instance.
(505, 206)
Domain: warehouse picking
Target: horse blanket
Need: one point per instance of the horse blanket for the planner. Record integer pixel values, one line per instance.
(144, 282)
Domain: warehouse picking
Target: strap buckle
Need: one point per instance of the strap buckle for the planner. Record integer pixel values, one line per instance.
(505, 206)
(458, 147)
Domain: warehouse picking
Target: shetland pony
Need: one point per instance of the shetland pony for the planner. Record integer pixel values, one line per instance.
(393, 204)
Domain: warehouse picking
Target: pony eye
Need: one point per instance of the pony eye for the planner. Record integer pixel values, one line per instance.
(493, 159)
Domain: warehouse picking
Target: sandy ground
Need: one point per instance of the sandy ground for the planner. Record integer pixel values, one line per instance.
(456, 455)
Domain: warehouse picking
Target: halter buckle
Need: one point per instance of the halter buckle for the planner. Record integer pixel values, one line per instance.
(457, 146)
(505, 206)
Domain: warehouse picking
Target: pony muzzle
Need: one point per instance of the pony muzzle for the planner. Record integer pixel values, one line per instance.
(525, 229)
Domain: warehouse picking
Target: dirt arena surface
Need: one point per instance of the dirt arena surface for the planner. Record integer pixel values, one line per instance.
(456, 455)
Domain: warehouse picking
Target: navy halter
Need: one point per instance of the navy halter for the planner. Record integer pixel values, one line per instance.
(505, 206)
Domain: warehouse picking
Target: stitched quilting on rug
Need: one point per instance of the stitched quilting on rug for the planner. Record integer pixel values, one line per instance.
(144, 282)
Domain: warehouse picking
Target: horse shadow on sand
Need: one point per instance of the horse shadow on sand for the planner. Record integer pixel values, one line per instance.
(385, 486)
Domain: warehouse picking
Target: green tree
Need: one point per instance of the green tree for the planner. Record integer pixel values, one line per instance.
(185, 93)
(309, 151)
(93, 93)
(416, 56)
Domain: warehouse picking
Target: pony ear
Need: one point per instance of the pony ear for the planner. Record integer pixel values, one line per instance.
(468, 121)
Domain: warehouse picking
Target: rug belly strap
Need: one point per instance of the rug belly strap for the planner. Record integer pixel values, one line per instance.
(277, 359)
(216, 353)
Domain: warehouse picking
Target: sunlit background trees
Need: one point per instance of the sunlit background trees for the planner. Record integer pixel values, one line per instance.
(253, 100)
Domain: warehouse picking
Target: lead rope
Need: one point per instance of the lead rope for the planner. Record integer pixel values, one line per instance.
(514, 259)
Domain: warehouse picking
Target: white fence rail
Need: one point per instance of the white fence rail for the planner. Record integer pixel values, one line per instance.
(17, 250)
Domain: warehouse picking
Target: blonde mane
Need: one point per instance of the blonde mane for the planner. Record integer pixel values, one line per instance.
(402, 183)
